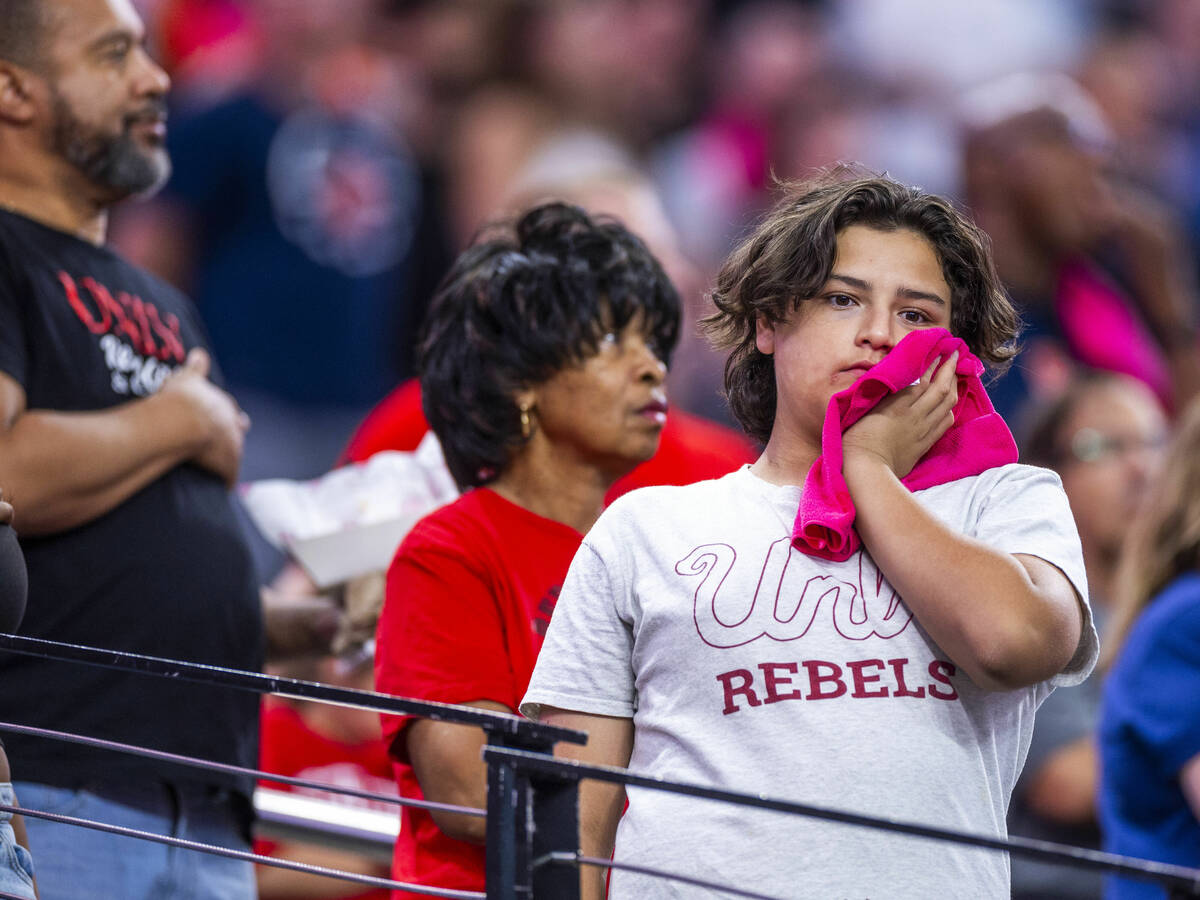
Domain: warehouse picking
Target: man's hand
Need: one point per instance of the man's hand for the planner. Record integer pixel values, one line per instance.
(298, 625)
(220, 422)
(902, 428)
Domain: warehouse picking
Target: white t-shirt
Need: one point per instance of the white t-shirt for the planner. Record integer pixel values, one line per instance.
(750, 666)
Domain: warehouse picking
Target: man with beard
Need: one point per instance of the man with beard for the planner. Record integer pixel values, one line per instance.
(118, 449)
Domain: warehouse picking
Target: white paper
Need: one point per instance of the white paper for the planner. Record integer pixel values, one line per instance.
(350, 521)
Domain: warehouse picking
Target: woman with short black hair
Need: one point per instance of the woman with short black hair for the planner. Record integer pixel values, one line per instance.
(542, 367)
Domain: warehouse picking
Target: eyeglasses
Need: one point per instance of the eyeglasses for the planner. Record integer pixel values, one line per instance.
(1090, 446)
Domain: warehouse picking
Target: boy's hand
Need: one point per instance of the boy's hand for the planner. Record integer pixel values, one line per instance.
(902, 428)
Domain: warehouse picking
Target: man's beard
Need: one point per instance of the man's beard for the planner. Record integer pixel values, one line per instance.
(114, 162)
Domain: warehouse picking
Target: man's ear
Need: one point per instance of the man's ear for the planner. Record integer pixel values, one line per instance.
(764, 336)
(17, 103)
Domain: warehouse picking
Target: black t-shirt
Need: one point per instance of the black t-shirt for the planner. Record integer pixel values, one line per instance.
(166, 573)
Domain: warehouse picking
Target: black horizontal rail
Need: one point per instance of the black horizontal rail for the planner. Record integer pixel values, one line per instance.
(500, 724)
(1179, 877)
(245, 855)
(259, 774)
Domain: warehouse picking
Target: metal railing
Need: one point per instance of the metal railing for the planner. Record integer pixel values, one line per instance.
(532, 810)
(1180, 880)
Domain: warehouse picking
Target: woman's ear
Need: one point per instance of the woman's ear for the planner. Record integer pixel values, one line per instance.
(526, 401)
(764, 336)
(526, 398)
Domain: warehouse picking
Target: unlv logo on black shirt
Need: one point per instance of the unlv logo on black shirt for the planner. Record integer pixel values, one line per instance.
(136, 340)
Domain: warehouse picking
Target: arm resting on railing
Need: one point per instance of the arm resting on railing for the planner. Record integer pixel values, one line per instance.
(446, 759)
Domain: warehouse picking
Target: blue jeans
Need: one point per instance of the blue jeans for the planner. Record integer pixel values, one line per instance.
(16, 865)
(73, 861)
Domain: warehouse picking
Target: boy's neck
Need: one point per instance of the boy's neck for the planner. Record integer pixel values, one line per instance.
(785, 462)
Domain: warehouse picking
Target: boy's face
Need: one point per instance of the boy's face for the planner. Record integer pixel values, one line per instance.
(884, 284)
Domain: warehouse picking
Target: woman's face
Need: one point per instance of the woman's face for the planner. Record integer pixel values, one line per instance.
(609, 410)
(1114, 442)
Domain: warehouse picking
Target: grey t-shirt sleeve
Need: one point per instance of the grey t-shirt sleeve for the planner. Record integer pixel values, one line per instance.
(1026, 512)
(585, 664)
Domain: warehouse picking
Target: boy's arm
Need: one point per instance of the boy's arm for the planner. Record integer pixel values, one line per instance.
(1006, 620)
(610, 743)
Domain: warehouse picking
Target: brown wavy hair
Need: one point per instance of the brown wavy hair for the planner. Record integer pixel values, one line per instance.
(789, 256)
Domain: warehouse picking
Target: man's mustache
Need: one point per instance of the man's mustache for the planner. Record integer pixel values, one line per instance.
(153, 110)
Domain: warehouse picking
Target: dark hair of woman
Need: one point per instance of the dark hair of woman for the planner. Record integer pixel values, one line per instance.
(530, 298)
(789, 256)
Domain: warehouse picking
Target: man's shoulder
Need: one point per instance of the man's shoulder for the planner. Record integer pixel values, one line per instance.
(18, 236)
(27, 244)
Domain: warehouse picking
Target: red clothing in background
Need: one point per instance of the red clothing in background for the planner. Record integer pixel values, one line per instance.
(396, 423)
(289, 746)
(691, 448)
(469, 596)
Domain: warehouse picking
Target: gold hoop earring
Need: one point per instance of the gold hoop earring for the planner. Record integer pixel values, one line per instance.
(526, 423)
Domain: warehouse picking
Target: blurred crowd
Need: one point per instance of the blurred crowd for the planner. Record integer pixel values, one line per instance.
(331, 157)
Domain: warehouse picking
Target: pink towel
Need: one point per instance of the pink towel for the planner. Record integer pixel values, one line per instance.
(978, 440)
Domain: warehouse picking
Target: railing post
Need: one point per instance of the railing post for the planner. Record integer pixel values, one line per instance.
(555, 828)
(529, 816)
(508, 848)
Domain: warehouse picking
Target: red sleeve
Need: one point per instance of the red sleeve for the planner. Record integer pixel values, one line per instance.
(396, 423)
(440, 635)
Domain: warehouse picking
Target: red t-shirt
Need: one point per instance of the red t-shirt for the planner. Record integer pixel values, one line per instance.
(691, 448)
(469, 596)
(289, 746)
